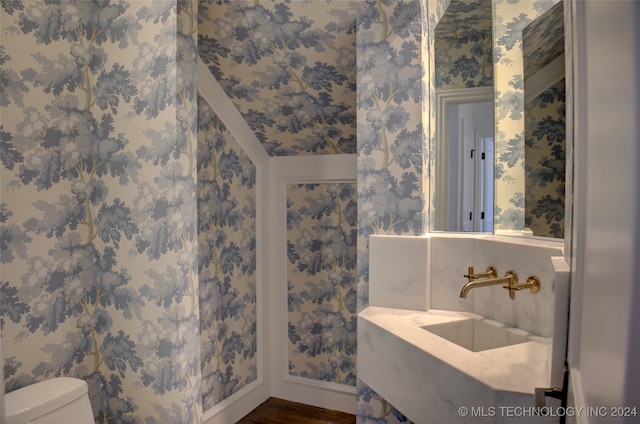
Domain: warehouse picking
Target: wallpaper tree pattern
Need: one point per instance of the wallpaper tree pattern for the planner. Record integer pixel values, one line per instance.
(390, 146)
(102, 226)
(463, 45)
(321, 251)
(99, 277)
(226, 260)
(510, 18)
(545, 158)
(543, 44)
(289, 68)
(271, 59)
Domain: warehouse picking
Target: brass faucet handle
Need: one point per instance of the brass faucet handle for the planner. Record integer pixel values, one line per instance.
(533, 284)
(512, 285)
(491, 272)
(470, 275)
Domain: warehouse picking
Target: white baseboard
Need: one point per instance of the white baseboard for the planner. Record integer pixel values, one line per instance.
(323, 394)
(236, 406)
(338, 397)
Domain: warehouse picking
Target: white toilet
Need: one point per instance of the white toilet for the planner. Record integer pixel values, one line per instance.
(61, 400)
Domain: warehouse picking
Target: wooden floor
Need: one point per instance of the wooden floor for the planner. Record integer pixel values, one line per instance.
(278, 411)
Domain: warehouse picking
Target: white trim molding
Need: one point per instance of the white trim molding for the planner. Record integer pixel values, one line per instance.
(249, 397)
(212, 92)
(273, 174)
(284, 171)
(236, 406)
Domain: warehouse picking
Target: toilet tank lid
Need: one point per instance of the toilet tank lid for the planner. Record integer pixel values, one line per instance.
(35, 400)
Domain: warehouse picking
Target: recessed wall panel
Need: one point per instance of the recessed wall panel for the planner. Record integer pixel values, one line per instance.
(321, 281)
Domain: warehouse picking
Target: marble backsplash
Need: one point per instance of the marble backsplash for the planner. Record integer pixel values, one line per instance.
(427, 272)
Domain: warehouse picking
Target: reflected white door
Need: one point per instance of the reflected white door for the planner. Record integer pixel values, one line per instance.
(475, 164)
(469, 176)
(485, 161)
(476, 200)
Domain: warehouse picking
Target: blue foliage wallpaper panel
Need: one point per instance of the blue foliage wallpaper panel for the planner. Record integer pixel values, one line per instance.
(463, 45)
(544, 159)
(510, 18)
(101, 227)
(99, 270)
(390, 146)
(543, 42)
(227, 260)
(321, 274)
(289, 68)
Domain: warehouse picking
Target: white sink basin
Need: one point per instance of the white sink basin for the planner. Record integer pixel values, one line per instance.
(477, 335)
(430, 365)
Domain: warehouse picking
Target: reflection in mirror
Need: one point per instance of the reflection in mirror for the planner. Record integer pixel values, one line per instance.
(463, 191)
(545, 123)
(464, 142)
(520, 205)
(513, 193)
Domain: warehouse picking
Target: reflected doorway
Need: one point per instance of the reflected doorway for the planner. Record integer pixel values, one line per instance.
(470, 184)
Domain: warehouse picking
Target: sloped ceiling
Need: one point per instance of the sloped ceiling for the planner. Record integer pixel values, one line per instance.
(290, 69)
(463, 45)
(543, 40)
(464, 21)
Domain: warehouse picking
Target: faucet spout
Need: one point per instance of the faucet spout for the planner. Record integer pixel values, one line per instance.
(510, 277)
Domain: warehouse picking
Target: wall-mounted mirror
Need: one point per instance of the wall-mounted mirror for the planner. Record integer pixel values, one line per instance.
(528, 170)
(463, 177)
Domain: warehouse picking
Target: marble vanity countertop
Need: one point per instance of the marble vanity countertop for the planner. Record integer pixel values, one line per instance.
(516, 368)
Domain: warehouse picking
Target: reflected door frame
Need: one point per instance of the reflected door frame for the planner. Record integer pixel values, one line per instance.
(445, 99)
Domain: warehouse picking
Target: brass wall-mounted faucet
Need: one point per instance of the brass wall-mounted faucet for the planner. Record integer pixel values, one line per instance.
(490, 278)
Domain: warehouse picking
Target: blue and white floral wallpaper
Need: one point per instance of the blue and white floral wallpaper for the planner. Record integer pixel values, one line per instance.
(122, 193)
(545, 127)
(99, 224)
(289, 68)
(226, 260)
(545, 158)
(391, 146)
(543, 40)
(321, 252)
(464, 45)
(510, 18)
